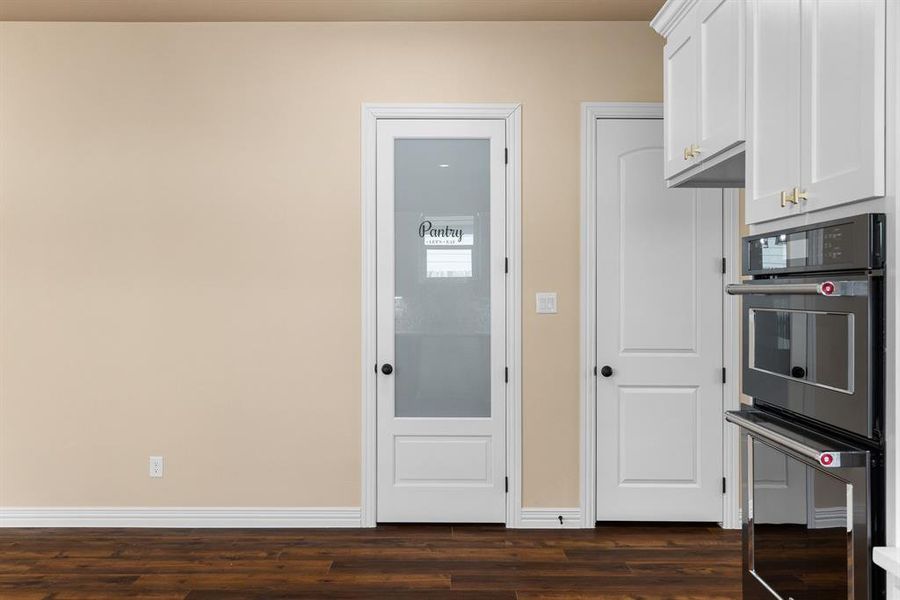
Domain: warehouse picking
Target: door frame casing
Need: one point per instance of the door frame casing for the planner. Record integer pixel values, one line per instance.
(591, 112)
(512, 114)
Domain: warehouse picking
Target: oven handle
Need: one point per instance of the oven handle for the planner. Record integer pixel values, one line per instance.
(825, 288)
(828, 459)
(822, 288)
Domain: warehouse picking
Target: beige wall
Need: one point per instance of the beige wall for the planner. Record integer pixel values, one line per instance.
(180, 257)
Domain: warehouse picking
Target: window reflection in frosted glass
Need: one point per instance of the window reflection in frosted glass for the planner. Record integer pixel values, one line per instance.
(442, 277)
(446, 262)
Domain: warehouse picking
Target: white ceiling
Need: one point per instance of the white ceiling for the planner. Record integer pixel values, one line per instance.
(328, 10)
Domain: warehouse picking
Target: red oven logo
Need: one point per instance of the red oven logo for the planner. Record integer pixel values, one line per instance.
(826, 458)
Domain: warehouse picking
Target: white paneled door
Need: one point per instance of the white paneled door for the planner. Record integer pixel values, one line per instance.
(659, 334)
(441, 291)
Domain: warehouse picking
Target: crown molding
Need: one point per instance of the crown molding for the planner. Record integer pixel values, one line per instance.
(670, 15)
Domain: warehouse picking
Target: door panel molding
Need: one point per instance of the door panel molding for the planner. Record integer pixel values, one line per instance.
(646, 399)
(370, 114)
(690, 345)
(590, 113)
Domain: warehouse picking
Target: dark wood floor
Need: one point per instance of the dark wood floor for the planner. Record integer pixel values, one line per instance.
(397, 562)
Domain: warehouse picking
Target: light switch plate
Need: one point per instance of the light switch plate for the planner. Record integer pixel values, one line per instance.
(546, 303)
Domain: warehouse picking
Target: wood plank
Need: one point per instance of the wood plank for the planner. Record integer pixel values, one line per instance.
(472, 562)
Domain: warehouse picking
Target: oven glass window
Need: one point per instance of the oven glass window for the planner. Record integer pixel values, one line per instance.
(800, 544)
(813, 347)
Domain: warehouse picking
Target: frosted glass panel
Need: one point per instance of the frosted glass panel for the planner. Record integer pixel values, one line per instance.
(442, 278)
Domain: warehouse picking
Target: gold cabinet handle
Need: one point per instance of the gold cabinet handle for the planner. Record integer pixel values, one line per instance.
(788, 198)
(691, 151)
(799, 195)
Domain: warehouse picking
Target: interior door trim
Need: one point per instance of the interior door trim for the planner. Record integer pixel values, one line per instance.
(512, 114)
(591, 112)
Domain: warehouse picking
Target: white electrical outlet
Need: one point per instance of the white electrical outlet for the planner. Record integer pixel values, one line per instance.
(156, 466)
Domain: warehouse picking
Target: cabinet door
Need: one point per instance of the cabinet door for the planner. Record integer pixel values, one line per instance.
(680, 106)
(721, 47)
(842, 101)
(773, 145)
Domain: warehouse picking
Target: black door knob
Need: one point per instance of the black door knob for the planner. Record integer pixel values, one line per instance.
(387, 369)
(606, 371)
(798, 372)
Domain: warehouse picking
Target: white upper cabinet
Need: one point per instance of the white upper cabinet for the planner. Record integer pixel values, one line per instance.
(680, 105)
(704, 91)
(812, 75)
(816, 105)
(720, 33)
(842, 89)
(773, 154)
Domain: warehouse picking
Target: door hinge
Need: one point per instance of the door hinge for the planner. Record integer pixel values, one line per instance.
(724, 265)
(595, 370)
(724, 486)
(376, 367)
(506, 156)
(506, 484)
(506, 374)
(506, 265)
(724, 375)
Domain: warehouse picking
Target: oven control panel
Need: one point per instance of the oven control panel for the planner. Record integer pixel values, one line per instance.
(855, 243)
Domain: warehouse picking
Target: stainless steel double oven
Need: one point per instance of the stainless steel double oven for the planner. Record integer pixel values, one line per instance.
(812, 448)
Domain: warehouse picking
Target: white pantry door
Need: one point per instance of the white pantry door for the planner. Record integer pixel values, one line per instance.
(441, 294)
(659, 334)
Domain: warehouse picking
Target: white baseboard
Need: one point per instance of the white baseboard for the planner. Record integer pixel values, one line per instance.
(548, 518)
(737, 523)
(179, 517)
(823, 517)
(832, 516)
